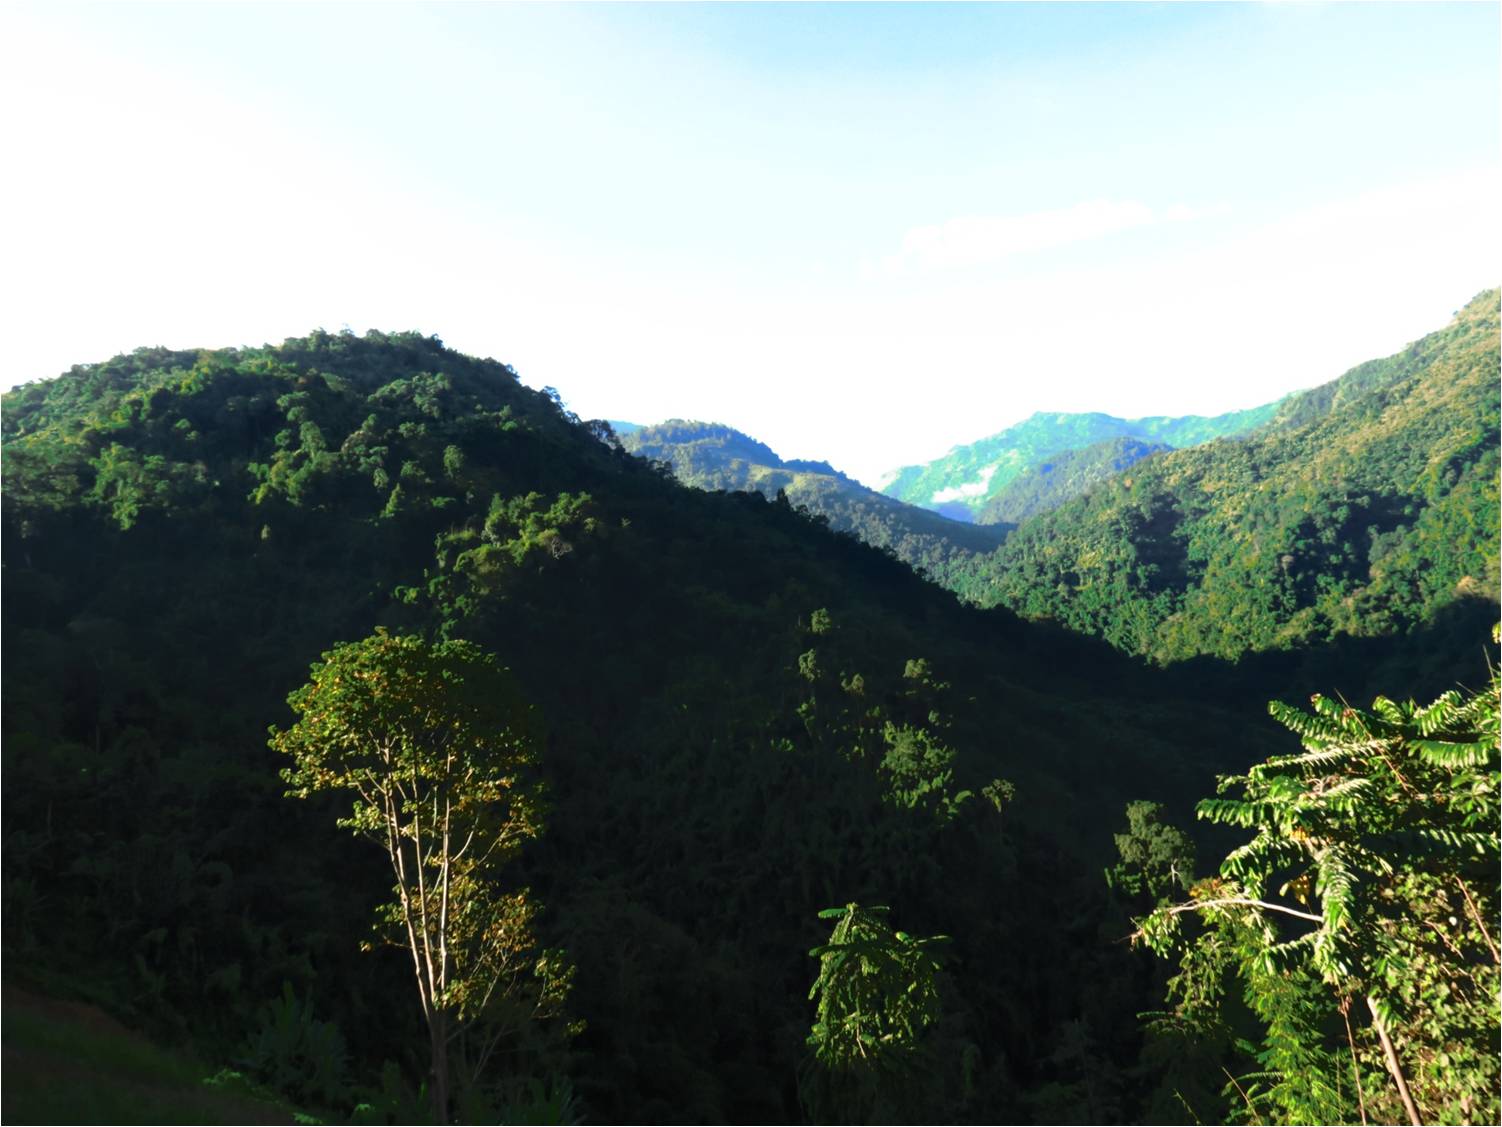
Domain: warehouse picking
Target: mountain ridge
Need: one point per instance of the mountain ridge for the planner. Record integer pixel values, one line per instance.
(716, 456)
(964, 479)
(1366, 506)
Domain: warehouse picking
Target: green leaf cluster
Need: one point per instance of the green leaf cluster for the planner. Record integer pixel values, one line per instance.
(877, 994)
(1368, 893)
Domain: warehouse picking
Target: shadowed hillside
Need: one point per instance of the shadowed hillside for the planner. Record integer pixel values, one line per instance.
(750, 718)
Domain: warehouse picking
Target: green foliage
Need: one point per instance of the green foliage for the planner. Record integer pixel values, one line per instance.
(392, 1100)
(877, 994)
(919, 771)
(294, 1052)
(1157, 860)
(1383, 831)
(131, 485)
(542, 1102)
(437, 748)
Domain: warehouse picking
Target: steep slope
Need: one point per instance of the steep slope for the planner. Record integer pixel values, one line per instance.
(750, 718)
(1370, 507)
(1062, 478)
(961, 482)
(714, 456)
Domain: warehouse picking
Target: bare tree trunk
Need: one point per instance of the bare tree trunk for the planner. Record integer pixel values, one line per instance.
(1392, 1065)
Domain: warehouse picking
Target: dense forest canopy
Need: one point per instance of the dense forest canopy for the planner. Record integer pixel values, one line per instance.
(745, 718)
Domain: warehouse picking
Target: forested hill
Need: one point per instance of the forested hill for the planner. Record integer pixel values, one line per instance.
(1368, 507)
(749, 717)
(962, 482)
(713, 456)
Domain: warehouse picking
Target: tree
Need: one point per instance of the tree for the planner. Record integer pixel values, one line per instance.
(1383, 833)
(877, 993)
(1157, 859)
(437, 746)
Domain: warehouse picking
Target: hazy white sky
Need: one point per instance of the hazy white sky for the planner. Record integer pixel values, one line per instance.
(861, 233)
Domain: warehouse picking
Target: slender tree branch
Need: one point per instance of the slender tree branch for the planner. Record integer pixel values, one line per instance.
(1242, 1093)
(1392, 1064)
(1476, 915)
(1345, 1013)
(398, 862)
(422, 888)
(1246, 901)
(1443, 938)
(443, 911)
(468, 841)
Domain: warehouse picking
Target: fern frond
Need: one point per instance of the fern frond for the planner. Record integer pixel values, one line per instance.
(1311, 728)
(1368, 860)
(1281, 958)
(1433, 717)
(1392, 712)
(1234, 812)
(1340, 796)
(1265, 853)
(1335, 884)
(1452, 754)
(1324, 757)
(1462, 841)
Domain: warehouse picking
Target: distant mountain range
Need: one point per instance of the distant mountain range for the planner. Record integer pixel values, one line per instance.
(713, 456)
(964, 482)
(1363, 507)
(1023, 471)
(1359, 507)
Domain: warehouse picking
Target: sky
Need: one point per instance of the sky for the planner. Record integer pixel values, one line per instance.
(863, 233)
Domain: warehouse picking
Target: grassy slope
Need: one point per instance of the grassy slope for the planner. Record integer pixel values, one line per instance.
(67, 1062)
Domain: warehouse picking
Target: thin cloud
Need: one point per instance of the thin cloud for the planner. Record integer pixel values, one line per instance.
(975, 240)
